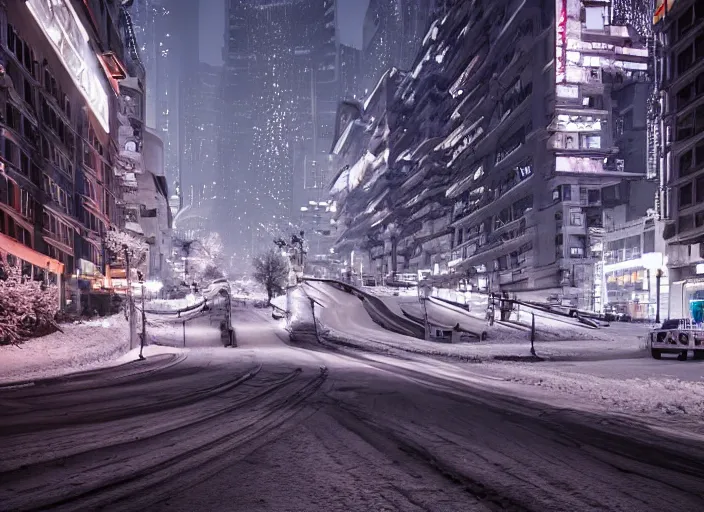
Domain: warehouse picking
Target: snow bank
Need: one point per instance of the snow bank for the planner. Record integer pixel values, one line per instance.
(280, 302)
(344, 320)
(81, 346)
(301, 321)
(642, 396)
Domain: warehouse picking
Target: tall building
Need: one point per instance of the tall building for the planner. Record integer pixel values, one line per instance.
(59, 66)
(236, 121)
(494, 158)
(169, 49)
(201, 130)
(680, 73)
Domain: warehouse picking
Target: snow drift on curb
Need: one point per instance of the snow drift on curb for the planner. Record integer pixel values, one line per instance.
(81, 346)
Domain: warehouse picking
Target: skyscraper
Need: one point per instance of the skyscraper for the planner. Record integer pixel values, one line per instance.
(169, 48)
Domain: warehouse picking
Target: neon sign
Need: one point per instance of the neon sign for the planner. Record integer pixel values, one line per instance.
(63, 28)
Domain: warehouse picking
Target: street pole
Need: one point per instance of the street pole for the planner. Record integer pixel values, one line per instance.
(130, 299)
(658, 275)
(144, 325)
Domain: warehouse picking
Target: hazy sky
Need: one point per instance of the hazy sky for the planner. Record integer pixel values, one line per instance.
(212, 28)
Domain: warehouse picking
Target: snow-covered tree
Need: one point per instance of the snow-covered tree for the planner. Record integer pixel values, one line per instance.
(271, 271)
(204, 256)
(26, 306)
(207, 252)
(117, 241)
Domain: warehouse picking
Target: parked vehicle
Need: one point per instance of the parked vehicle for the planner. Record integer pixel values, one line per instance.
(677, 337)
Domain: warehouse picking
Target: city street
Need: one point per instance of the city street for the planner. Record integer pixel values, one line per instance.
(268, 426)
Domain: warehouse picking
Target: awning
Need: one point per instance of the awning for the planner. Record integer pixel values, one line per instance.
(11, 246)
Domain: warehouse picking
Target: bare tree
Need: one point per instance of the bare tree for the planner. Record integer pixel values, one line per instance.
(271, 271)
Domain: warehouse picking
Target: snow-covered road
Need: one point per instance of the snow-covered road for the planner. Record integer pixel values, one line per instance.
(274, 427)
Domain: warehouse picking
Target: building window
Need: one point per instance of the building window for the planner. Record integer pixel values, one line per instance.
(685, 96)
(28, 94)
(686, 163)
(685, 127)
(26, 204)
(686, 222)
(700, 83)
(699, 120)
(699, 219)
(576, 252)
(576, 218)
(686, 195)
(566, 192)
(24, 164)
(591, 142)
(700, 190)
(9, 151)
(685, 59)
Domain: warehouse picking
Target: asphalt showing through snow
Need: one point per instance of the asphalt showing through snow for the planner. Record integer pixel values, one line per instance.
(273, 427)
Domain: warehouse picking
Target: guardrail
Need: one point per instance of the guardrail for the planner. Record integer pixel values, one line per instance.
(215, 304)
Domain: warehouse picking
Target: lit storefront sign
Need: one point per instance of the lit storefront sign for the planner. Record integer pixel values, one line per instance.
(568, 123)
(63, 28)
(561, 41)
(579, 164)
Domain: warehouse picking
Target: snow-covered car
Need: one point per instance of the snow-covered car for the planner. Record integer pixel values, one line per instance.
(676, 337)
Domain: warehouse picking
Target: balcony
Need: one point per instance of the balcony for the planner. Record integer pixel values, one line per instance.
(508, 192)
(497, 248)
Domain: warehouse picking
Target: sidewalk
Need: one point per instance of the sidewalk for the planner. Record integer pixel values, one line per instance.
(80, 347)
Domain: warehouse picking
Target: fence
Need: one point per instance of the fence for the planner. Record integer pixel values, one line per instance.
(206, 323)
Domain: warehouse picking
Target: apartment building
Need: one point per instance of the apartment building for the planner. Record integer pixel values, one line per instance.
(58, 72)
(680, 30)
(497, 146)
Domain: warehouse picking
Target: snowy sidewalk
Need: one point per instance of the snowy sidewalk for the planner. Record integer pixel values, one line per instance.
(80, 347)
(649, 394)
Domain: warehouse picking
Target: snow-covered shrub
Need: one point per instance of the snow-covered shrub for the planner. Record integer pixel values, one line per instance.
(26, 306)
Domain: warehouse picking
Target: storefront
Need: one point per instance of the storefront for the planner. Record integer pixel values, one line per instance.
(631, 287)
(687, 300)
(34, 264)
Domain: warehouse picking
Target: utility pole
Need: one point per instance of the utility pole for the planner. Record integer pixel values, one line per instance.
(142, 341)
(658, 276)
(130, 299)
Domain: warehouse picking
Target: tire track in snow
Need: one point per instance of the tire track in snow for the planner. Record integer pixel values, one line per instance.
(28, 426)
(138, 472)
(68, 384)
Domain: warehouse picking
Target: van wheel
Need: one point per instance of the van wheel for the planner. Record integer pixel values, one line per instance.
(699, 354)
(682, 356)
(655, 353)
